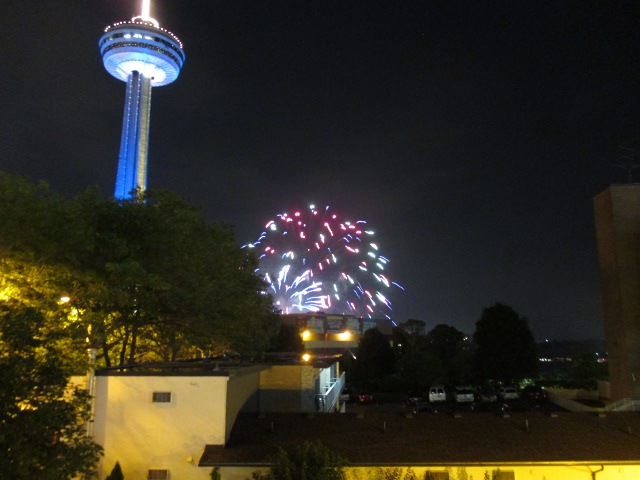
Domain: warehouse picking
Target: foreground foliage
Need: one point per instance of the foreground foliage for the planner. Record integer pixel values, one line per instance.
(116, 473)
(310, 461)
(144, 281)
(43, 431)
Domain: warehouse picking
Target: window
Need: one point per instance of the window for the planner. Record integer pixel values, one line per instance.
(437, 475)
(158, 475)
(503, 475)
(161, 397)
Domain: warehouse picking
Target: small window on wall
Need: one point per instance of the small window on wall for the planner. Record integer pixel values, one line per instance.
(158, 475)
(161, 397)
(504, 475)
(437, 475)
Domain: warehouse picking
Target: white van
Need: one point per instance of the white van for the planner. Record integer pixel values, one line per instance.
(437, 394)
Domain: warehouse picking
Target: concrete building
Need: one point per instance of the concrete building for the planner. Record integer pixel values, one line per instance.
(156, 419)
(617, 219)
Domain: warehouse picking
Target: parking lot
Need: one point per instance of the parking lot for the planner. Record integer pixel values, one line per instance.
(386, 404)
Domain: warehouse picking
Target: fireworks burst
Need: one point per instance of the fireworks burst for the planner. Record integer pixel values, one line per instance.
(313, 261)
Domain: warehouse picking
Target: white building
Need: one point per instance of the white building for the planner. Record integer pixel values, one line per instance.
(156, 422)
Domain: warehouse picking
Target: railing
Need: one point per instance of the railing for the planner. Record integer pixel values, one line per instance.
(328, 397)
(624, 405)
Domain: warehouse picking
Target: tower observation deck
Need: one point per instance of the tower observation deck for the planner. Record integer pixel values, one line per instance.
(143, 55)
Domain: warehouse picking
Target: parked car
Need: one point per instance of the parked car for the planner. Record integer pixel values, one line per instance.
(437, 394)
(413, 397)
(464, 395)
(535, 394)
(422, 406)
(487, 395)
(365, 398)
(507, 393)
(345, 396)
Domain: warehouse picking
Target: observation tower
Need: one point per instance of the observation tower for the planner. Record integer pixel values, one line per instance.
(144, 55)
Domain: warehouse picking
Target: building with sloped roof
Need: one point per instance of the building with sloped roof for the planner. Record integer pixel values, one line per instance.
(523, 446)
(182, 420)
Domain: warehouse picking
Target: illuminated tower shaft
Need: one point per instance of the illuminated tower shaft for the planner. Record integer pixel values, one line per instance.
(132, 161)
(144, 55)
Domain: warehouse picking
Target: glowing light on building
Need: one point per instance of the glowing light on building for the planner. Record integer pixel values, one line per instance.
(344, 336)
(143, 55)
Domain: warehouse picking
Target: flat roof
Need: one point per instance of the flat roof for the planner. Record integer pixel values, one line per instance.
(216, 366)
(381, 438)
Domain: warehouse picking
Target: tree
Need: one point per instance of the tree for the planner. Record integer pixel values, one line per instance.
(439, 356)
(420, 368)
(43, 422)
(146, 281)
(175, 284)
(506, 349)
(391, 473)
(413, 326)
(375, 358)
(116, 473)
(409, 336)
(310, 461)
(449, 346)
(287, 339)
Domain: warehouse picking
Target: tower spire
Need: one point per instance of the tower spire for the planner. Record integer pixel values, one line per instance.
(146, 8)
(145, 14)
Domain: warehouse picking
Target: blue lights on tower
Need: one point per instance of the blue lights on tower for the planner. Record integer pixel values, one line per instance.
(143, 55)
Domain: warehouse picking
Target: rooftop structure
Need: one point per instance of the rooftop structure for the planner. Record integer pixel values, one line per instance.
(144, 55)
(617, 218)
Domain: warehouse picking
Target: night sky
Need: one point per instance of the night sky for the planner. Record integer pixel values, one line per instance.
(472, 136)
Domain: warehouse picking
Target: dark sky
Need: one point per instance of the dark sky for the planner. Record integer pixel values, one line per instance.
(472, 136)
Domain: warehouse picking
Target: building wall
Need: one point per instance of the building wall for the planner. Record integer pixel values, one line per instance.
(617, 218)
(242, 394)
(326, 332)
(466, 472)
(284, 388)
(293, 388)
(144, 435)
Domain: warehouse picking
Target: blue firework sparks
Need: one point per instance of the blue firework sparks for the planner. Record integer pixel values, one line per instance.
(313, 261)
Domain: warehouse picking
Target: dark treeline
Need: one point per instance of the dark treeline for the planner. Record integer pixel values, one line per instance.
(501, 350)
